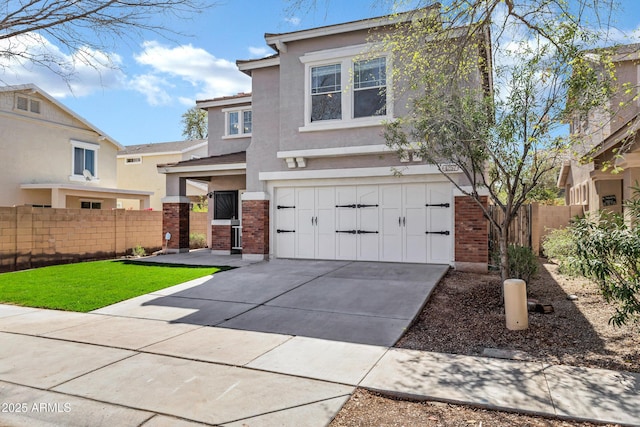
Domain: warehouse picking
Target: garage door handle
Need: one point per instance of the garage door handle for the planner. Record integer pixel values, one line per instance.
(367, 232)
(438, 205)
(285, 231)
(346, 231)
(445, 233)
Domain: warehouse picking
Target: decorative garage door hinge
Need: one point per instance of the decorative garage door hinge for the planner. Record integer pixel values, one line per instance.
(285, 231)
(446, 233)
(353, 206)
(347, 231)
(439, 205)
(286, 207)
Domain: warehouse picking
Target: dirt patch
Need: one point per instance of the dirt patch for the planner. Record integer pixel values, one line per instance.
(465, 316)
(370, 409)
(577, 332)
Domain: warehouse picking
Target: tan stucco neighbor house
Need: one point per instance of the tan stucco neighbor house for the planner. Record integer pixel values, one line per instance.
(603, 134)
(137, 169)
(52, 157)
(299, 168)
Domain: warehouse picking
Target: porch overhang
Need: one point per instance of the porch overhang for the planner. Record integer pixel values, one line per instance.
(59, 192)
(206, 167)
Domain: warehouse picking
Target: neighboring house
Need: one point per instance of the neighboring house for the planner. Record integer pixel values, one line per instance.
(137, 169)
(603, 132)
(52, 157)
(300, 169)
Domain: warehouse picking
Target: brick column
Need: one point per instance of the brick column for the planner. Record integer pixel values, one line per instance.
(175, 220)
(255, 226)
(221, 237)
(471, 236)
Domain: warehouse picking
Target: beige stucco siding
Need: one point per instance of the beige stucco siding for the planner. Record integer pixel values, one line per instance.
(37, 149)
(145, 176)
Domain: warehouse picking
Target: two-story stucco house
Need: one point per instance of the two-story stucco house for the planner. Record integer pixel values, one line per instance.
(301, 166)
(52, 157)
(609, 136)
(137, 169)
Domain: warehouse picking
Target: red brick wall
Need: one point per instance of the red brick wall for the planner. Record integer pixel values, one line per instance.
(472, 231)
(175, 220)
(221, 237)
(255, 227)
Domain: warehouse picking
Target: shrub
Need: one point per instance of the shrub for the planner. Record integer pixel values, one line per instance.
(523, 263)
(138, 251)
(608, 251)
(560, 246)
(197, 240)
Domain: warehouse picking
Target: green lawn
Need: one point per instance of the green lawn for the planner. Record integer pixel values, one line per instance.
(90, 285)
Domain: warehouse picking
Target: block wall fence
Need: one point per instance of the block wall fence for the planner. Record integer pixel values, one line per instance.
(34, 237)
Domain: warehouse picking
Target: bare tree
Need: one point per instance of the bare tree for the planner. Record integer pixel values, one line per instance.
(87, 29)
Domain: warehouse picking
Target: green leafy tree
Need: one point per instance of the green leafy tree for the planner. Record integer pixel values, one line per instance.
(194, 123)
(490, 85)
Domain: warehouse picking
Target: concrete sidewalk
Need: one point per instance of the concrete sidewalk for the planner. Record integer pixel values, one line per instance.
(60, 368)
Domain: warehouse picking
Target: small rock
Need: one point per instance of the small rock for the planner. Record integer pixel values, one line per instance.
(572, 297)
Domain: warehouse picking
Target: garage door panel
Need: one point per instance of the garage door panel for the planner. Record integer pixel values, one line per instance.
(325, 223)
(439, 219)
(368, 223)
(305, 204)
(391, 223)
(346, 219)
(414, 213)
(285, 220)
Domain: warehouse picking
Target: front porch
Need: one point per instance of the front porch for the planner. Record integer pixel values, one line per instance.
(232, 212)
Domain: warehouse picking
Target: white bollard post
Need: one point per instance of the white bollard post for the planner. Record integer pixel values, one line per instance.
(515, 304)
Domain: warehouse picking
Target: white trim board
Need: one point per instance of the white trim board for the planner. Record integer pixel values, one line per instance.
(349, 173)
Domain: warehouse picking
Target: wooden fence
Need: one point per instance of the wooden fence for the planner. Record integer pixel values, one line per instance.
(531, 224)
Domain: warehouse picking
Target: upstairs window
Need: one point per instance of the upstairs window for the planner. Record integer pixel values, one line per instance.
(239, 123)
(345, 90)
(25, 103)
(326, 92)
(370, 88)
(84, 161)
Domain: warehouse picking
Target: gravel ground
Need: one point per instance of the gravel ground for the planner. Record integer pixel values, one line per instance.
(576, 333)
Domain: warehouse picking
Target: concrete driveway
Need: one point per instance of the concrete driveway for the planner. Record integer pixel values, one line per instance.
(358, 302)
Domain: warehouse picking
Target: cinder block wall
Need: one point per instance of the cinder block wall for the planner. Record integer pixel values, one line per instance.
(33, 237)
(198, 223)
(548, 218)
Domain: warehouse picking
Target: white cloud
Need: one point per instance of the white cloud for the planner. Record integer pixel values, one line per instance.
(86, 70)
(259, 52)
(208, 75)
(294, 20)
(153, 87)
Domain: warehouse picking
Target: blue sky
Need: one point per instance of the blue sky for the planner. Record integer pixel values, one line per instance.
(159, 79)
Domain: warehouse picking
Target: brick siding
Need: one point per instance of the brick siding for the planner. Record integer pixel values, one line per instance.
(255, 227)
(472, 231)
(175, 220)
(221, 238)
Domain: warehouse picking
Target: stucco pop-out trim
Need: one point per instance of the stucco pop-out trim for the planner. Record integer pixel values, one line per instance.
(348, 173)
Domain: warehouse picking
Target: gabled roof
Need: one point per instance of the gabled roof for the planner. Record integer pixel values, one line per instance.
(223, 101)
(207, 164)
(277, 40)
(32, 88)
(160, 148)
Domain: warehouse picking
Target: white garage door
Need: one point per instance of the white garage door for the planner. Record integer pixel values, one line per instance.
(395, 223)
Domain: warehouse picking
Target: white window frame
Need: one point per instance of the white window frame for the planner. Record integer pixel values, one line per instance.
(87, 146)
(133, 160)
(31, 101)
(240, 111)
(347, 58)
